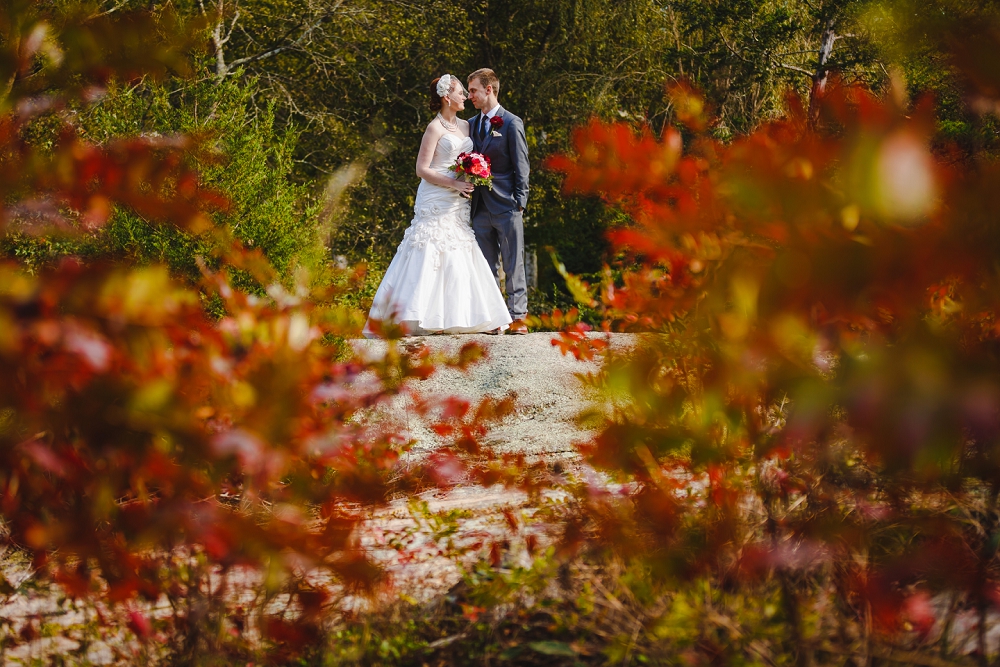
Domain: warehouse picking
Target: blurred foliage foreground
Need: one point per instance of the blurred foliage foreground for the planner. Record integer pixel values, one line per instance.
(801, 460)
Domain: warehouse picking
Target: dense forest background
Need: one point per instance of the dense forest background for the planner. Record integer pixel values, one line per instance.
(318, 106)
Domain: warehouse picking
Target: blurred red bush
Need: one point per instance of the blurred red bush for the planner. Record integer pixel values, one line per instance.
(819, 302)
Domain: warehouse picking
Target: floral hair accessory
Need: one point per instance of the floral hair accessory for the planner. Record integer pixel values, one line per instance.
(496, 122)
(444, 85)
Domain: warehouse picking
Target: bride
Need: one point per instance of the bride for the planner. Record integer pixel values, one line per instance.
(439, 280)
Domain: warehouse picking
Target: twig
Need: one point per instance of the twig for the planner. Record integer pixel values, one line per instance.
(445, 641)
(896, 655)
(796, 68)
(794, 53)
(612, 600)
(277, 47)
(631, 645)
(106, 12)
(949, 620)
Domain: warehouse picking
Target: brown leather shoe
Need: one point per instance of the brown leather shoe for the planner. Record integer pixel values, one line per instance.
(494, 332)
(517, 327)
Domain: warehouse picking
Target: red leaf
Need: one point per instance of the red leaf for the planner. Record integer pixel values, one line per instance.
(139, 624)
(445, 469)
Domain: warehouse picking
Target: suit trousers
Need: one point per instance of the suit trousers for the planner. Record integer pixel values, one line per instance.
(501, 238)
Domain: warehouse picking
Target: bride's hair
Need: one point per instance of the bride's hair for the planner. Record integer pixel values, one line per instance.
(436, 104)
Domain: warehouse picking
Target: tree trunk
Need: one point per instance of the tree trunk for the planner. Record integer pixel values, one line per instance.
(221, 70)
(15, 43)
(819, 79)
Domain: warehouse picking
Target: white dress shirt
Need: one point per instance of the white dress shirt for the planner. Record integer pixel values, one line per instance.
(489, 114)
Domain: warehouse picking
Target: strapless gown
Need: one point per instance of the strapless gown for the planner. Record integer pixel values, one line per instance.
(439, 280)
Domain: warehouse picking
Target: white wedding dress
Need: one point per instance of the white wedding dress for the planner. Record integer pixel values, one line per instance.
(439, 280)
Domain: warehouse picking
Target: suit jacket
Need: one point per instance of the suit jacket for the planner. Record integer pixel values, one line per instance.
(508, 155)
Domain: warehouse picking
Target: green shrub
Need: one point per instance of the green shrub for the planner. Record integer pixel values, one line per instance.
(269, 210)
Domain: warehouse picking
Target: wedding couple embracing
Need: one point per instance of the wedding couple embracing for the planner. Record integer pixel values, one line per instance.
(444, 276)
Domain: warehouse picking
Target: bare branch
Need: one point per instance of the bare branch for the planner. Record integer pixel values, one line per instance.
(794, 53)
(731, 48)
(259, 56)
(232, 26)
(109, 11)
(305, 28)
(796, 68)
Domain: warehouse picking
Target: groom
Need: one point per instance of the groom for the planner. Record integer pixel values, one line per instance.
(498, 214)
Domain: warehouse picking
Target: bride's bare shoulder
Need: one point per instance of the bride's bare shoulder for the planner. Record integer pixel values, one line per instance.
(433, 129)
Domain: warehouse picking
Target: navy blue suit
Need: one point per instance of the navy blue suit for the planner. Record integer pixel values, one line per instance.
(498, 214)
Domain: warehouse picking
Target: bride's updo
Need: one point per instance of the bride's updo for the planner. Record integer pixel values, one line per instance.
(436, 101)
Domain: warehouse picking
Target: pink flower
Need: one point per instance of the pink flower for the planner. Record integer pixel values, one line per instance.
(479, 166)
(474, 165)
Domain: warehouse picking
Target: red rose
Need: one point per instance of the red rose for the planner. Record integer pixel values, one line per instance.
(496, 122)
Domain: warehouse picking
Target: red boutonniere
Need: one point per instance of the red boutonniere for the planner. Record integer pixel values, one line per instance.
(496, 122)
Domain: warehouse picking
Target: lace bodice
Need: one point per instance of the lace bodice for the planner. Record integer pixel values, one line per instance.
(440, 215)
(447, 149)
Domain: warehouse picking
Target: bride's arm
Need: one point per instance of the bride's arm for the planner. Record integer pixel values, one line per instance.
(426, 155)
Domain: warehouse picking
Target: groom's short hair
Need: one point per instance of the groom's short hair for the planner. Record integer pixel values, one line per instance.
(487, 77)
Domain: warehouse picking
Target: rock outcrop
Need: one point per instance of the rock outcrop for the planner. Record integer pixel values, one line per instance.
(549, 393)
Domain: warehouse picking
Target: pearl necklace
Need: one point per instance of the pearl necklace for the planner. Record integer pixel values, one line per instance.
(450, 127)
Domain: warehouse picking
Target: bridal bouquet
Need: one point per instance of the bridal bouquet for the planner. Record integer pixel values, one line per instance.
(475, 168)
